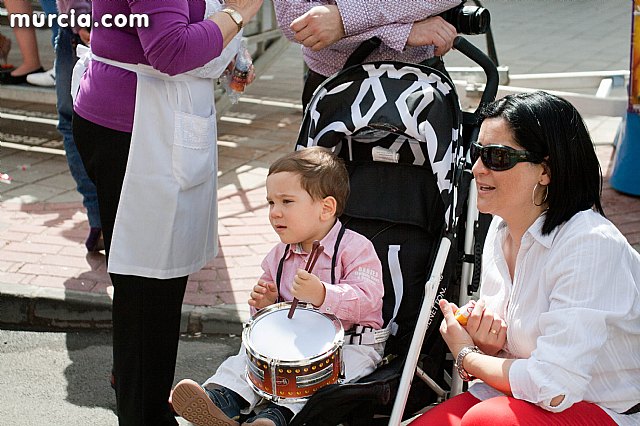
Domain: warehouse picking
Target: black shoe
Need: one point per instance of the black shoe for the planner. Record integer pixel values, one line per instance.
(7, 78)
(94, 241)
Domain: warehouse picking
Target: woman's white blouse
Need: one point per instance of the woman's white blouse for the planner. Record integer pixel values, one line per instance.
(573, 314)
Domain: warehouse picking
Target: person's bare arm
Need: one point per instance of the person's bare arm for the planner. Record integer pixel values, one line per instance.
(229, 29)
(493, 371)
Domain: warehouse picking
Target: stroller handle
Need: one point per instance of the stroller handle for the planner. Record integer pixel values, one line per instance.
(463, 46)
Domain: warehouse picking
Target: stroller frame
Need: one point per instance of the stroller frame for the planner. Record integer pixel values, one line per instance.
(431, 287)
(474, 233)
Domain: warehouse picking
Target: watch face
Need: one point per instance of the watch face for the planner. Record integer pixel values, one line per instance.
(235, 15)
(238, 18)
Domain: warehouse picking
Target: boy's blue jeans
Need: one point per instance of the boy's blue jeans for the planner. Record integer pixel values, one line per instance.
(65, 60)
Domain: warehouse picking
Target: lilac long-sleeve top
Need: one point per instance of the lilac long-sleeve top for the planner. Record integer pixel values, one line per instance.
(177, 40)
(356, 296)
(391, 21)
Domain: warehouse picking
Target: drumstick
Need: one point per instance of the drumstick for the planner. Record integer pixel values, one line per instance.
(319, 251)
(313, 256)
(316, 250)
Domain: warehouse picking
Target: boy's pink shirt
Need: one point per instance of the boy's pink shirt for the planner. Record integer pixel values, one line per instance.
(356, 297)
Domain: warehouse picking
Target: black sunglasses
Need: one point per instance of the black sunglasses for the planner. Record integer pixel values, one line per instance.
(500, 157)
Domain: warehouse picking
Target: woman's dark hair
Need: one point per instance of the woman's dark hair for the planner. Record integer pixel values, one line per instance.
(551, 126)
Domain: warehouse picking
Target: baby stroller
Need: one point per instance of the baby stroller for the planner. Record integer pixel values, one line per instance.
(398, 127)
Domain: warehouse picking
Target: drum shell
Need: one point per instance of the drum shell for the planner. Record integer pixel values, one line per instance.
(293, 380)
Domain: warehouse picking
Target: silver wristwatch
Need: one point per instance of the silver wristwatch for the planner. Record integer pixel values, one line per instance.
(464, 374)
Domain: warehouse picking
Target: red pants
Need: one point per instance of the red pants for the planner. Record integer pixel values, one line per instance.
(466, 410)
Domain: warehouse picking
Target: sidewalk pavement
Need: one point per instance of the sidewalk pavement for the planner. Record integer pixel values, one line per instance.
(47, 279)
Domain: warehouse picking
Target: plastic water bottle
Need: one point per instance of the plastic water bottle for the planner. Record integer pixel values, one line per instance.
(240, 72)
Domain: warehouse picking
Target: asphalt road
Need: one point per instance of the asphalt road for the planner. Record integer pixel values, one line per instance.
(62, 379)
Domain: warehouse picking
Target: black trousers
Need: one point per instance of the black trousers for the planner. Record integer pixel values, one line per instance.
(311, 81)
(146, 311)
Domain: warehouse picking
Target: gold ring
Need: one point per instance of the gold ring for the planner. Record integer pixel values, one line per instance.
(494, 331)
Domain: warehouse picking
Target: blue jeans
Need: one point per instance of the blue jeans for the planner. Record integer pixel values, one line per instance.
(65, 60)
(49, 8)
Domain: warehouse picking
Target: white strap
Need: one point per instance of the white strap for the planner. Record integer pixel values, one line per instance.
(143, 69)
(397, 144)
(418, 155)
(398, 284)
(364, 335)
(85, 56)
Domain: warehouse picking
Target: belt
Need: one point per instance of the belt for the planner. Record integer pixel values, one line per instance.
(634, 409)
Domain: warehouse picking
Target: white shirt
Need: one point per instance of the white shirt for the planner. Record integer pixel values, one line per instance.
(573, 314)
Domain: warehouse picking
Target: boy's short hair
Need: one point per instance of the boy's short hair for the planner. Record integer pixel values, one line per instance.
(322, 174)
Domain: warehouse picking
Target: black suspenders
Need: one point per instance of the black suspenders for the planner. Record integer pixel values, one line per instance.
(279, 273)
(334, 259)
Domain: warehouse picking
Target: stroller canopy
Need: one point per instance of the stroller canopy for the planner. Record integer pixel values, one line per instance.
(389, 112)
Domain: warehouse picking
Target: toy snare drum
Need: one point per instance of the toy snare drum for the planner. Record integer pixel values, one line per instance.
(292, 358)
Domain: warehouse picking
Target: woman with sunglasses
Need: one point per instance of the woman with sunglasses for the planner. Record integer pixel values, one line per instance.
(554, 338)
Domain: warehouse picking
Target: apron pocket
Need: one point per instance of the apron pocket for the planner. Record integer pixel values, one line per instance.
(193, 149)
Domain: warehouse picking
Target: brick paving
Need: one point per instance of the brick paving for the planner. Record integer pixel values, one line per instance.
(42, 243)
(43, 224)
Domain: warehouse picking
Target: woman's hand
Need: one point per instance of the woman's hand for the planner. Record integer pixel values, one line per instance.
(247, 8)
(487, 329)
(263, 294)
(85, 36)
(228, 27)
(453, 333)
(308, 288)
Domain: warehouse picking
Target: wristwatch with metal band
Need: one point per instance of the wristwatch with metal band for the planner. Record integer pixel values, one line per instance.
(464, 374)
(235, 15)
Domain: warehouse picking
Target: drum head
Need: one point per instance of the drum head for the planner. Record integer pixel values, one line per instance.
(307, 334)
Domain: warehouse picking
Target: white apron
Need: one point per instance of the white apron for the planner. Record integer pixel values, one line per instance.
(166, 222)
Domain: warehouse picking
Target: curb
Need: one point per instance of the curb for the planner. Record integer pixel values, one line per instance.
(28, 93)
(57, 309)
